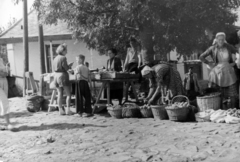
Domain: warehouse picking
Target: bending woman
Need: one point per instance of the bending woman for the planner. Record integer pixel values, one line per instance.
(222, 73)
(61, 78)
(164, 80)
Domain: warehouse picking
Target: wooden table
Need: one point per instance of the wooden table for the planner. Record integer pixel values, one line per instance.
(106, 84)
(106, 79)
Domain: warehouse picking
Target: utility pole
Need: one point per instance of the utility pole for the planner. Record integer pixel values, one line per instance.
(42, 59)
(25, 44)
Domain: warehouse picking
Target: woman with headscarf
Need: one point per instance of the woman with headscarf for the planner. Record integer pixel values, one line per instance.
(222, 73)
(164, 80)
(114, 64)
(61, 78)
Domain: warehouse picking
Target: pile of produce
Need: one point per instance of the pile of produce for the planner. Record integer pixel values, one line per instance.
(230, 116)
(178, 105)
(145, 107)
(233, 112)
(111, 107)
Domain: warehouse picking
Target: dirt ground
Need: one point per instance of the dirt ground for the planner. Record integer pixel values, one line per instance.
(49, 137)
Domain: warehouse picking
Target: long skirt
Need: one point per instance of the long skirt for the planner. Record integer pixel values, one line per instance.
(4, 104)
(83, 94)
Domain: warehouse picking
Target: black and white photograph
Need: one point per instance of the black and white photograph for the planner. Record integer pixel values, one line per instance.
(119, 80)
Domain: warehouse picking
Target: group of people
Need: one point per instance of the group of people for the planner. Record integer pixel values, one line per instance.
(164, 80)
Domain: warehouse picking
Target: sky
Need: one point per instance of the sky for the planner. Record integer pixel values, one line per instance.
(8, 10)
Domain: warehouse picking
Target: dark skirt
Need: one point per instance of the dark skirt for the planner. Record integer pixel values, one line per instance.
(83, 97)
(61, 79)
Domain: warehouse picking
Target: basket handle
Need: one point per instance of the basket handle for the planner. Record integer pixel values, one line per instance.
(180, 96)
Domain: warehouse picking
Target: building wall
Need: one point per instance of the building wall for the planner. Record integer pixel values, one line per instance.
(16, 56)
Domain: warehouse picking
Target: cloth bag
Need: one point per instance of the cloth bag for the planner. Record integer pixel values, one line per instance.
(34, 102)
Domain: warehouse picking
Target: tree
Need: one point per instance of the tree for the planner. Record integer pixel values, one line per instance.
(165, 24)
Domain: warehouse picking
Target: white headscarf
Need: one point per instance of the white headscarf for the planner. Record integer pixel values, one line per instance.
(146, 70)
(221, 34)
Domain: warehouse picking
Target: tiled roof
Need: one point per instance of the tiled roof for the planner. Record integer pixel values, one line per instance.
(16, 31)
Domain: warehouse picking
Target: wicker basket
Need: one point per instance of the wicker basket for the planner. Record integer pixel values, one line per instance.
(159, 112)
(131, 112)
(209, 102)
(178, 114)
(115, 113)
(146, 113)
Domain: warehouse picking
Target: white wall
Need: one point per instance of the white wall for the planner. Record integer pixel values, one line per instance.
(16, 56)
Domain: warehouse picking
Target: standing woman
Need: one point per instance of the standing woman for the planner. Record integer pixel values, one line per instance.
(114, 64)
(4, 104)
(61, 78)
(222, 73)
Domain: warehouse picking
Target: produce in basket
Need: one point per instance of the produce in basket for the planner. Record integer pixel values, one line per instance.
(145, 107)
(177, 105)
(111, 107)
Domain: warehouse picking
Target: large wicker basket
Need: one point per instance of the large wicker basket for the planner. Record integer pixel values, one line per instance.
(209, 102)
(178, 114)
(159, 112)
(146, 113)
(115, 113)
(131, 111)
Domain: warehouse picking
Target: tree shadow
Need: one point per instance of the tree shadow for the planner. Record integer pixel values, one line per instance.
(59, 126)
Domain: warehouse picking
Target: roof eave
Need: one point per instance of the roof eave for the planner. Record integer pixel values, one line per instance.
(35, 38)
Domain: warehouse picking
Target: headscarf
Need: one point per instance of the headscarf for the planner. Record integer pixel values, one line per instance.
(217, 35)
(221, 34)
(146, 70)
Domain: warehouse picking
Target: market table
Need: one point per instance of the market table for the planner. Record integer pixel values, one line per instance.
(109, 77)
(105, 78)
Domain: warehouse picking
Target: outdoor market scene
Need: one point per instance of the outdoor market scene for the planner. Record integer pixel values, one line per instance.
(119, 81)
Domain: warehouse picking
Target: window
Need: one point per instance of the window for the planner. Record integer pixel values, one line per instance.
(48, 56)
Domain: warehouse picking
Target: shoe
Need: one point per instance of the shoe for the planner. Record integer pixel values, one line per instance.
(69, 112)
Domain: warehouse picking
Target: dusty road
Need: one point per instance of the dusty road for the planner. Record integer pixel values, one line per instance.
(52, 138)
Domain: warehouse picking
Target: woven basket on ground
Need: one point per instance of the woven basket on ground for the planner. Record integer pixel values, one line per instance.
(178, 114)
(159, 112)
(209, 102)
(131, 111)
(146, 113)
(115, 112)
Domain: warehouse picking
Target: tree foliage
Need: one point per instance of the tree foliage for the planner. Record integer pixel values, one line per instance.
(165, 24)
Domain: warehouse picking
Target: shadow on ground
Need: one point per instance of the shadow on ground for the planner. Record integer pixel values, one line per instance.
(61, 126)
(20, 114)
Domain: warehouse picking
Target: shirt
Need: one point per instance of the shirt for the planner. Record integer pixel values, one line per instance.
(132, 55)
(81, 72)
(60, 64)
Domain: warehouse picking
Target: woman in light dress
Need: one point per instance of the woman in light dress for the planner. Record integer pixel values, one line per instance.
(4, 104)
(222, 73)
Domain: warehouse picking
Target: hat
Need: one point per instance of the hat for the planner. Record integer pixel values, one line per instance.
(146, 70)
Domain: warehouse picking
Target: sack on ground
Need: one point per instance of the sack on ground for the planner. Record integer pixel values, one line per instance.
(34, 103)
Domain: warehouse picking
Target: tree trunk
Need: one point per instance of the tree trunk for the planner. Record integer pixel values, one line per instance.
(146, 36)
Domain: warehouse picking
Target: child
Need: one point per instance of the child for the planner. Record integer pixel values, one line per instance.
(191, 84)
(82, 89)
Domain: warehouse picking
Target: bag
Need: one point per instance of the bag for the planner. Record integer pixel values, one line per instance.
(34, 102)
